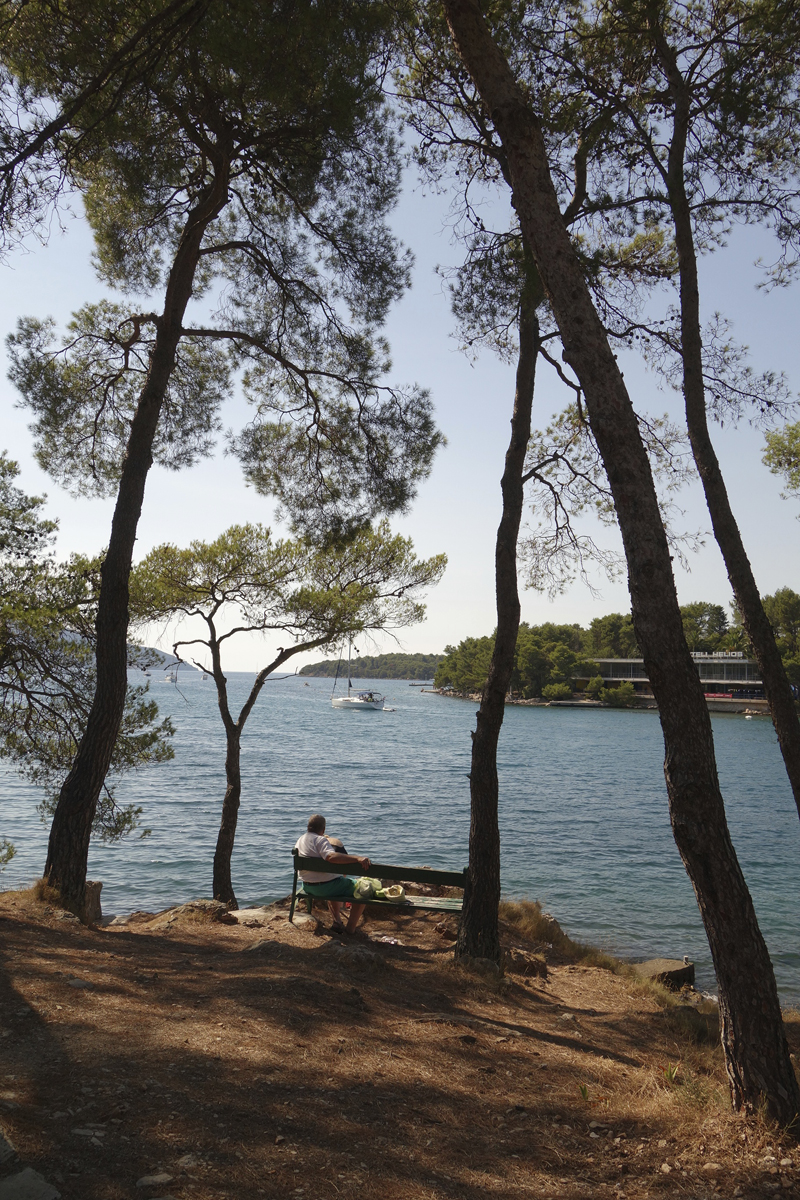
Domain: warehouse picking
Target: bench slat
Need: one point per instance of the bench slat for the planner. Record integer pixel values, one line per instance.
(383, 871)
(446, 904)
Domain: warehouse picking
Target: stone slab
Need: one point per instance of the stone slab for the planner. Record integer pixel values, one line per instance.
(673, 972)
(262, 912)
(27, 1185)
(134, 918)
(265, 946)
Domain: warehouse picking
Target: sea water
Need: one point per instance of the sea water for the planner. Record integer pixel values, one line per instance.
(583, 810)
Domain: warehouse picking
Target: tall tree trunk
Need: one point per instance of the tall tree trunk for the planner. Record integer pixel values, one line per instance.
(68, 846)
(223, 886)
(726, 531)
(478, 934)
(754, 1044)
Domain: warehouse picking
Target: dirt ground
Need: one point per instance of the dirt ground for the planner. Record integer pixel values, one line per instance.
(266, 1059)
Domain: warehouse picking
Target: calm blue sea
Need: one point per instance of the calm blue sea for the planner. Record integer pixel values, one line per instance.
(583, 815)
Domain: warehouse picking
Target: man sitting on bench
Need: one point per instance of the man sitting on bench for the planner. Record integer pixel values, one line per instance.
(333, 888)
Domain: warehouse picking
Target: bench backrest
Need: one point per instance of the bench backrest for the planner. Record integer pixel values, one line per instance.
(383, 871)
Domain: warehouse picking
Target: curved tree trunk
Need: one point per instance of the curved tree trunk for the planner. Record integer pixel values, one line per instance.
(222, 881)
(223, 886)
(726, 531)
(478, 935)
(68, 846)
(756, 1055)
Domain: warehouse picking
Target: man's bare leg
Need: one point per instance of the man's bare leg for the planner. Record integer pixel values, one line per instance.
(355, 915)
(336, 907)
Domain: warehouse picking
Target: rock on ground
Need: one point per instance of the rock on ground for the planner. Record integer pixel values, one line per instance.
(355, 957)
(27, 1185)
(265, 946)
(672, 972)
(521, 962)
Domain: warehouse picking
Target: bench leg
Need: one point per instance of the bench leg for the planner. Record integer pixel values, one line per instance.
(294, 899)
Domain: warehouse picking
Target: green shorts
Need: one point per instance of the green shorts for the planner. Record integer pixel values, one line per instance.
(333, 889)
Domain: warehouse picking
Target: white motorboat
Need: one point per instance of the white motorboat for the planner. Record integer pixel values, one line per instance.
(359, 700)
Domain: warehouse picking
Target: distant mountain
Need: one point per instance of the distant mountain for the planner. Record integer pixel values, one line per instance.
(379, 666)
(152, 659)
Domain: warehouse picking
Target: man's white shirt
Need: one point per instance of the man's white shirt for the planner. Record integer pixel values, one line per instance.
(314, 845)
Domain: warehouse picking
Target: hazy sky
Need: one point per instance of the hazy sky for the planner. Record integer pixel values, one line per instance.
(458, 508)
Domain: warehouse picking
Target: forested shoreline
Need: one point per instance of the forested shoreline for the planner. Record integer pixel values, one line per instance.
(549, 658)
(553, 655)
(378, 666)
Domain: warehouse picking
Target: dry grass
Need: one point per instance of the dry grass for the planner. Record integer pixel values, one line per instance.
(43, 893)
(271, 1060)
(527, 920)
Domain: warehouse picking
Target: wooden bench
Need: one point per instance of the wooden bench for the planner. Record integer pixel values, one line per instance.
(424, 875)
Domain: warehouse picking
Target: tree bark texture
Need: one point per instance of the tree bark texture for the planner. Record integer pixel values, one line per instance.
(223, 885)
(756, 1054)
(70, 833)
(726, 530)
(478, 933)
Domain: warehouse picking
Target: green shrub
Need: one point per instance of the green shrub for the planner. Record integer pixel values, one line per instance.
(595, 686)
(621, 696)
(557, 691)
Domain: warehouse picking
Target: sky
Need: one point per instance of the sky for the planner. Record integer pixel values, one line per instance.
(458, 507)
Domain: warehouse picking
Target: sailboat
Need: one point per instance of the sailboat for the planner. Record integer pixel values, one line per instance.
(359, 701)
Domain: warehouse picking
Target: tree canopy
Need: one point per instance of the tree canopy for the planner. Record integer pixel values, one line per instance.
(782, 456)
(248, 581)
(101, 58)
(545, 654)
(783, 611)
(277, 112)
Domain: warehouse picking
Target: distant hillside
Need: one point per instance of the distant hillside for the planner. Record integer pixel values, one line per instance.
(380, 666)
(149, 658)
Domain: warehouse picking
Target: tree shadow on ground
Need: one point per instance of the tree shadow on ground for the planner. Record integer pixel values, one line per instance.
(302, 1069)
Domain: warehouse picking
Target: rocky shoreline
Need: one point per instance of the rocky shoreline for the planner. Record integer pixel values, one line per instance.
(646, 703)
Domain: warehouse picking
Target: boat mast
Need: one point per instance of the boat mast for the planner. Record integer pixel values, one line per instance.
(336, 676)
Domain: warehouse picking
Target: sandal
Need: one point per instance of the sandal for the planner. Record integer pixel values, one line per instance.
(338, 928)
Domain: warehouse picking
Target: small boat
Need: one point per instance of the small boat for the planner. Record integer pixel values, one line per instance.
(359, 700)
(171, 677)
